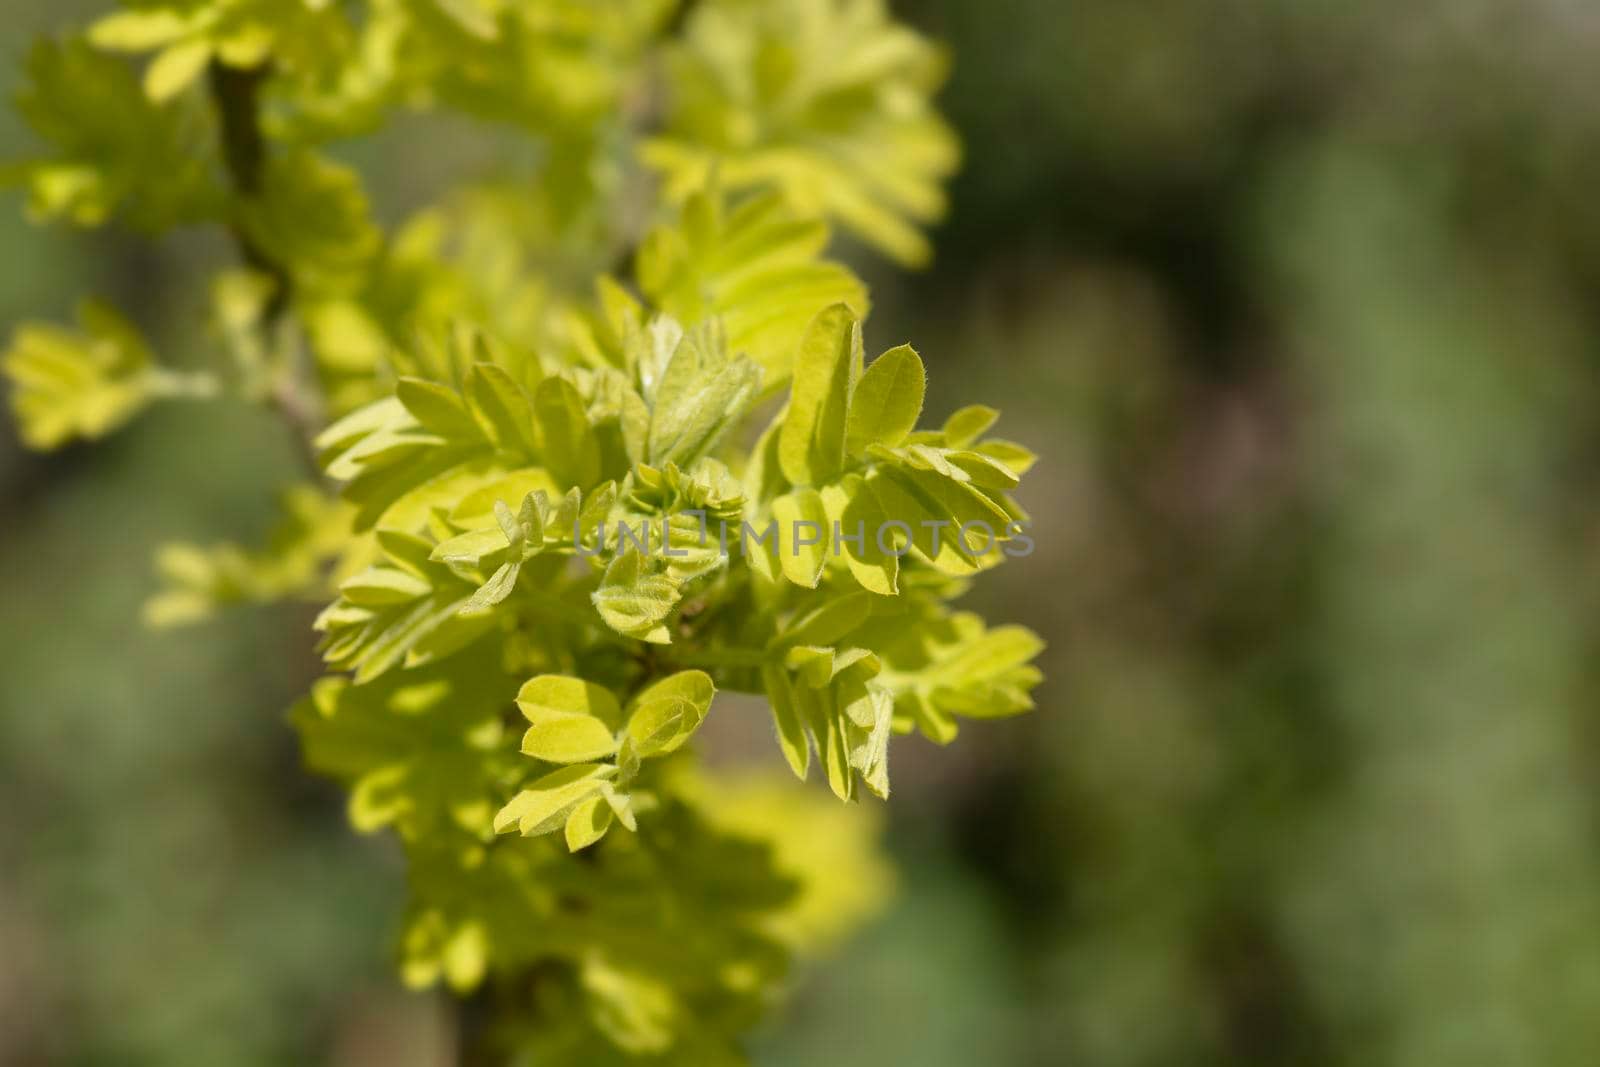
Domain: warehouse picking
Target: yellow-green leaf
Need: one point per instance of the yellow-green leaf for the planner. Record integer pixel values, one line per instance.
(866, 541)
(803, 536)
(557, 694)
(569, 739)
(634, 600)
(176, 68)
(968, 424)
(545, 805)
(811, 442)
(668, 712)
(566, 440)
(588, 823)
(137, 31)
(887, 401)
(786, 717)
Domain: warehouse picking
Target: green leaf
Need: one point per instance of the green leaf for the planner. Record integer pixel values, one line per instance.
(846, 710)
(987, 676)
(401, 472)
(968, 424)
(933, 532)
(544, 806)
(820, 712)
(1012, 455)
(588, 823)
(637, 1012)
(756, 268)
(962, 505)
(870, 711)
(437, 408)
(77, 383)
(310, 538)
(886, 401)
(811, 443)
(566, 440)
(941, 665)
(175, 68)
(984, 471)
(500, 585)
(786, 717)
(137, 31)
(472, 547)
(421, 750)
(406, 609)
(569, 739)
(700, 393)
(475, 16)
(829, 622)
(864, 534)
(666, 714)
(551, 695)
(573, 720)
(635, 599)
(378, 586)
(828, 104)
(803, 536)
(110, 150)
(502, 408)
(477, 506)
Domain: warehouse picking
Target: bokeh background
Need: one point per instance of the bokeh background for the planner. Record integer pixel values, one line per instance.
(1301, 302)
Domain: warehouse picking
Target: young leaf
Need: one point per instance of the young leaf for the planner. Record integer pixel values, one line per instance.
(437, 408)
(175, 68)
(77, 383)
(635, 600)
(568, 739)
(968, 424)
(811, 443)
(755, 267)
(803, 536)
(786, 716)
(865, 537)
(421, 750)
(887, 401)
(573, 720)
(587, 824)
(405, 609)
(822, 719)
(553, 695)
(829, 622)
(932, 530)
(668, 712)
(109, 149)
(829, 104)
(312, 215)
(1012, 455)
(700, 393)
(566, 441)
(545, 805)
(502, 408)
(137, 31)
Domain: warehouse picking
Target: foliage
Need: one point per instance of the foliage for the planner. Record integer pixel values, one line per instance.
(825, 101)
(593, 464)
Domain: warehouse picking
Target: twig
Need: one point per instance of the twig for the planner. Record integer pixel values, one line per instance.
(235, 92)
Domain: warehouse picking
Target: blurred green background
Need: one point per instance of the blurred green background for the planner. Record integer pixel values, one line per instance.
(1300, 301)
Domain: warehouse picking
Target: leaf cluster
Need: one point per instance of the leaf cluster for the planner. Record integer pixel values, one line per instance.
(578, 470)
